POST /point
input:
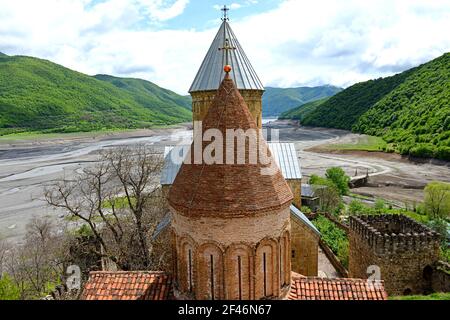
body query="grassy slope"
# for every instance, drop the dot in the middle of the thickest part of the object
(301, 112)
(415, 117)
(433, 296)
(343, 110)
(411, 110)
(38, 95)
(278, 100)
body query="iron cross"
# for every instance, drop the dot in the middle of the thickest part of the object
(225, 10)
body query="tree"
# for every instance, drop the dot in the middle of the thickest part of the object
(437, 200)
(119, 200)
(36, 266)
(329, 199)
(339, 178)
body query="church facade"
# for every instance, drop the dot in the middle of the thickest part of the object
(232, 225)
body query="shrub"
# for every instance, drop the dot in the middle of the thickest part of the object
(357, 207)
(423, 151)
(334, 237)
(8, 289)
(339, 179)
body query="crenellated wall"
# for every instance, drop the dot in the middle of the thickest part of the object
(239, 258)
(398, 245)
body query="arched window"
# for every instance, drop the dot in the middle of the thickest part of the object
(285, 272)
(210, 268)
(266, 271)
(238, 266)
(186, 266)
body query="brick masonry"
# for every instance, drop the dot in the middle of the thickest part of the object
(401, 247)
(202, 101)
(238, 258)
(296, 188)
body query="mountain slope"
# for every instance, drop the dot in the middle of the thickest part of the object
(343, 110)
(415, 117)
(304, 110)
(37, 94)
(147, 90)
(410, 110)
(278, 100)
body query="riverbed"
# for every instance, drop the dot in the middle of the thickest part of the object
(27, 167)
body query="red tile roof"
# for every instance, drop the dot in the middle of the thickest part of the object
(122, 285)
(229, 189)
(310, 288)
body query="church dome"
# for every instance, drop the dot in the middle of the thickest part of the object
(229, 189)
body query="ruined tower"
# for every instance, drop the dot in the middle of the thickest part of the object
(231, 222)
(402, 249)
(226, 50)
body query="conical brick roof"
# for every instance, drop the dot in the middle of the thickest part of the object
(229, 189)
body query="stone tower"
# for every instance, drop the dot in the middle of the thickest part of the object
(231, 222)
(402, 249)
(226, 50)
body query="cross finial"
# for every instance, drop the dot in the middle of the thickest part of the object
(227, 48)
(225, 10)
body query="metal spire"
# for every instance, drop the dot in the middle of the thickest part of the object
(225, 10)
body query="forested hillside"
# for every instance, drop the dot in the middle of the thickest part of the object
(301, 112)
(38, 95)
(415, 117)
(410, 111)
(344, 109)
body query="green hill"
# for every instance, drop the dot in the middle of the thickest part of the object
(38, 95)
(415, 117)
(278, 100)
(410, 110)
(301, 112)
(343, 110)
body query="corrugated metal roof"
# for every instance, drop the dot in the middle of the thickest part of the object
(163, 224)
(211, 73)
(171, 164)
(286, 157)
(284, 154)
(310, 191)
(296, 212)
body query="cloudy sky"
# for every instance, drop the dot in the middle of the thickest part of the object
(290, 43)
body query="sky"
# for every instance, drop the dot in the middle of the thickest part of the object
(289, 42)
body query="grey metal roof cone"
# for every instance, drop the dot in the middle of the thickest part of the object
(211, 72)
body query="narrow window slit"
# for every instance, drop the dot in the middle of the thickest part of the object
(212, 277)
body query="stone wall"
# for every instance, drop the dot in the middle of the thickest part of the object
(234, 258)
(305, 249)
(296, 188)
(401, 257)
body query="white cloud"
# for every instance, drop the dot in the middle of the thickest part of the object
(163, 10)
(298, 43)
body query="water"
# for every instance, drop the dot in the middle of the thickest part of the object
(267, 120)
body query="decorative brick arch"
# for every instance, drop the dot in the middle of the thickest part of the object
(186, 253)
(285, 258)
(267, 277)
(239, 262)
(210, 267)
